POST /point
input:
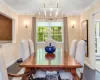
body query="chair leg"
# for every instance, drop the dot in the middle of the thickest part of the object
(76, 77)
(81, 76)
(31, 77)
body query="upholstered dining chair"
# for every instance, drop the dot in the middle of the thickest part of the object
(80, 55)
(31, 47)
(3, 71)
(25, 53)
(40, 74)
(65, 75)
(24, 49)
(73, 48)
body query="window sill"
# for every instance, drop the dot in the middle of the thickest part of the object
(97, 54)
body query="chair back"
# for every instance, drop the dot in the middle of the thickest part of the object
(24, 49)
(31, 47)
(80, 54)
(3, 70)
(73, 48)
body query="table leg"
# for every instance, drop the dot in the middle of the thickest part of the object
(73, 71)
(26, 71)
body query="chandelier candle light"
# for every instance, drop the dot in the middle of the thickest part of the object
(52, 13)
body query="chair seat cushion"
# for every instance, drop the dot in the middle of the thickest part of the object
(65, 75)
(51, 72)
(40, 74)
(52, 77)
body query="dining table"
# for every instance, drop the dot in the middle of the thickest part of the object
(59, 60)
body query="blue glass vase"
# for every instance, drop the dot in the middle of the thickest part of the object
(50, 49)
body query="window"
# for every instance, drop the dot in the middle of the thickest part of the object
(56, 33)
(97, 37)
(42, 33)
(55, 28)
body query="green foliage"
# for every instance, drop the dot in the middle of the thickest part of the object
(43, 33)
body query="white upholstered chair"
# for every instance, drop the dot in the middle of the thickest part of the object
(3, 71)
(80, 55)
(73, 48)
(31, 47)
(25, 53)
(40, 74)
(65, 75)
(24, 49)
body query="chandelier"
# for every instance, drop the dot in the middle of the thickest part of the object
(51, 13)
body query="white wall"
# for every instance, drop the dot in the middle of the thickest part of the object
(10, 49)
(87, 15)
(97, 16)
(73, 33)
(24, 33)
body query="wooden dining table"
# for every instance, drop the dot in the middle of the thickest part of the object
(59, 60)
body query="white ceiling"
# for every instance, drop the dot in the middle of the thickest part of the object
(32, 6)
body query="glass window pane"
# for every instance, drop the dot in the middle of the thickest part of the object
(42, 33)
(96, 45)
(95, 29)
(45, 37)
(99, 29)
(40, 36)
(57, 37)
(56, 33)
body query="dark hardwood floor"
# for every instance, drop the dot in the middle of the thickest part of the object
(14, 69)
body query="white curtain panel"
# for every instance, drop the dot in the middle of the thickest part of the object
(66, 45)
(33, 33)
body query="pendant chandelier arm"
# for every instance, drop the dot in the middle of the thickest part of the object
(56, 13)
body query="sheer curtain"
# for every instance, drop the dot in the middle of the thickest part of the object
(66, 45)
(33, 33)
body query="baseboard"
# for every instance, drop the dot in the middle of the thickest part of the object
(89, 65)
(12, 62)
(98, 70)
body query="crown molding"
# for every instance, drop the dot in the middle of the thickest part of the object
(89, 6)
(2, 2)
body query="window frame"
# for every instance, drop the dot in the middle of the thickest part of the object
(62, 30)
(96, 37)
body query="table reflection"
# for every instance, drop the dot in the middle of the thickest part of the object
(42, 58)
(50, 56)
